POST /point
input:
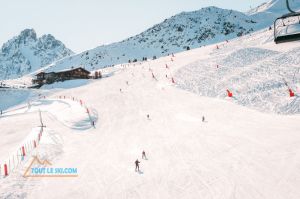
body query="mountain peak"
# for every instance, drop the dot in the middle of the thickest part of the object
(28, 33)
(26, 52)
(186, 30)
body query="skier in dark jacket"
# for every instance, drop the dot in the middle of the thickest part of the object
(137, 166)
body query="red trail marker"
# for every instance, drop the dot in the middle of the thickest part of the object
(23, 151)
(292, 94)
(229, 94)
(5, 170)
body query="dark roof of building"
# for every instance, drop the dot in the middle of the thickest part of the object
(69, 70)
(39, 73)
(64, 71)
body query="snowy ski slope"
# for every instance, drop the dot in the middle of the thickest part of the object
(238, 152)
(258, 72)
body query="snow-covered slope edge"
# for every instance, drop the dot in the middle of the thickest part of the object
(257, 72)
(269, 11)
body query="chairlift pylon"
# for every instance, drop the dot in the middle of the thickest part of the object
(287, 27)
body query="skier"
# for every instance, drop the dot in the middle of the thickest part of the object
(203, 119)
(173, 81)
(137, 166)
(153, 76)
(144, 155)
(148, 116)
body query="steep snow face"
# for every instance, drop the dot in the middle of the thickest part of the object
(273, 9)
(26, 53)
(187, 29)
(257, 72)
(275, 6)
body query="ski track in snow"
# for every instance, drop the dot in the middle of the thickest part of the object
(256, 75)
(56, 113)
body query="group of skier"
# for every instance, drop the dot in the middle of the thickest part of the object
(137, 162)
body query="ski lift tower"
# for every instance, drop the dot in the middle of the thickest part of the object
(41, 120)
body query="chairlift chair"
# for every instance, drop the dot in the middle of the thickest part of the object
(287, 27)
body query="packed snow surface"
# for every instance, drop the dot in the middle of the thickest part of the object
(13, 97)
(237, 152)
(256, 71)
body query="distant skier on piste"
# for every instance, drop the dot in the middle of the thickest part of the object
(137, 165)
(148, 116)
(203, 119)
(144, 155)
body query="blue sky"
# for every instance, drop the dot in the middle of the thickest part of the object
(85, 24)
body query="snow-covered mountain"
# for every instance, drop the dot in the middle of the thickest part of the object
(187, 29)
(26, 53)
(178, 33)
